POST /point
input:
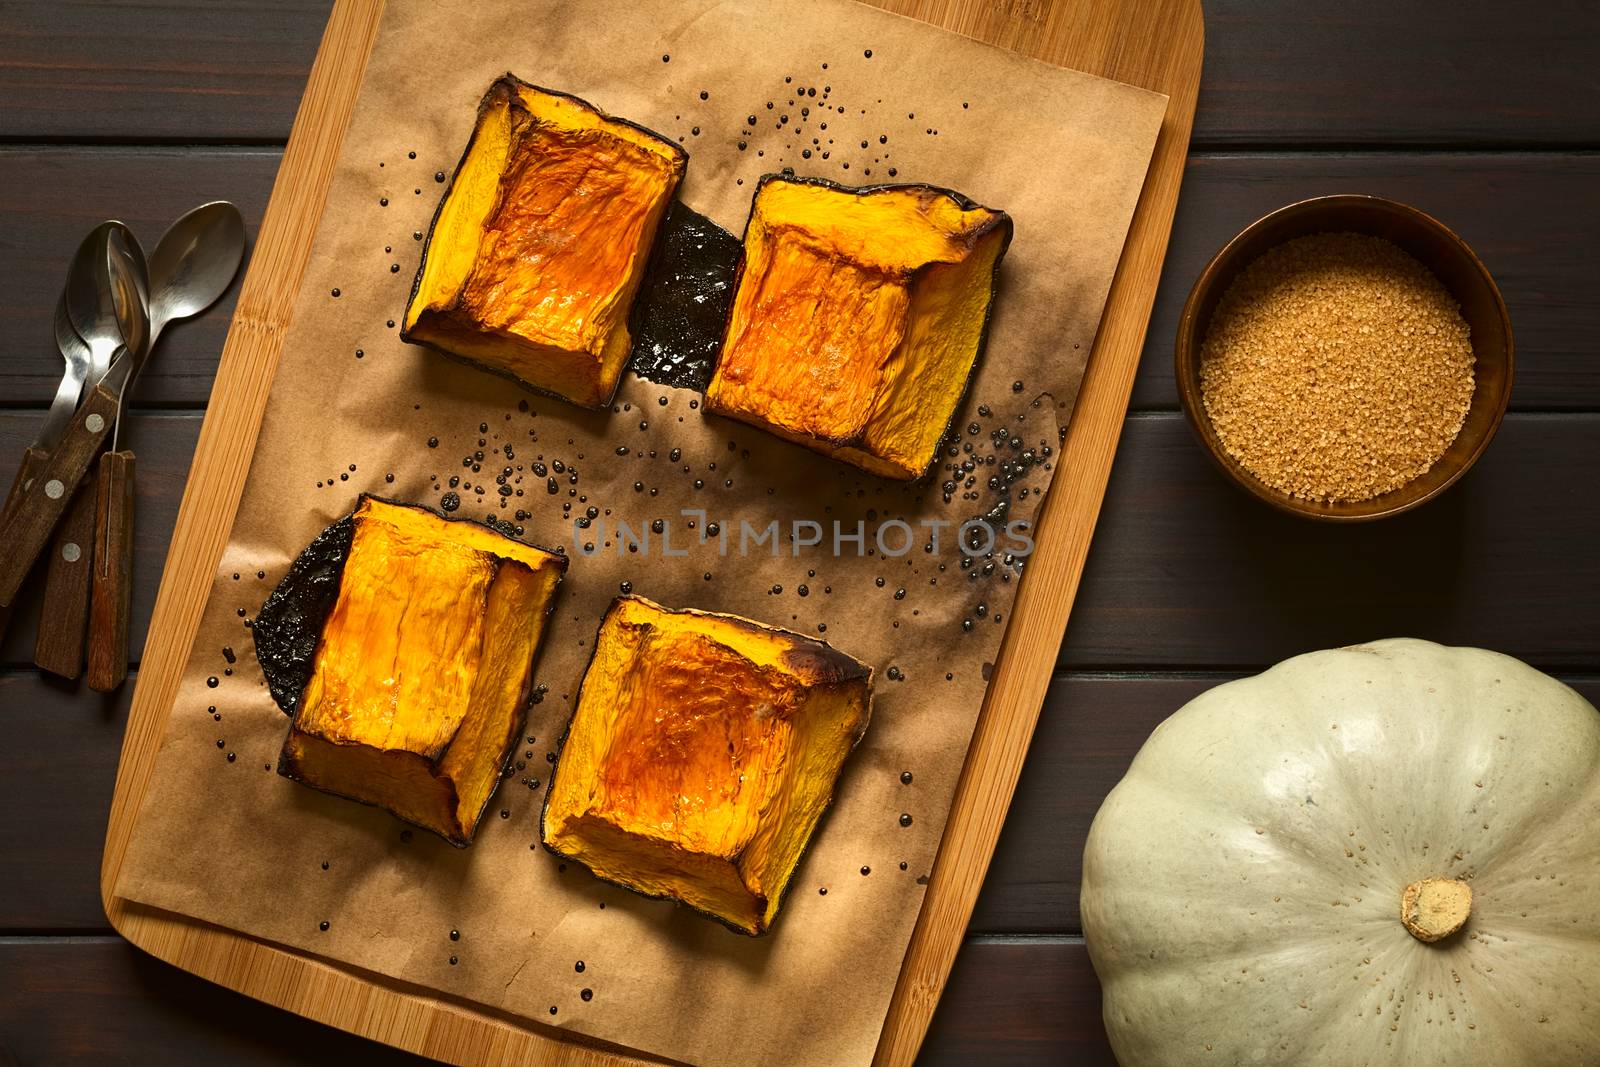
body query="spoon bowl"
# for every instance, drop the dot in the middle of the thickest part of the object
(194, 262)
(73, 349)
(91, 305)
(130, 294)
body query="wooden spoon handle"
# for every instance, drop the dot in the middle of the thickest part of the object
(26, 531)
(110, 578)
(59, 647)
(33, 461)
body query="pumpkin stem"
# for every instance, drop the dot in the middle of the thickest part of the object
(1435, 908)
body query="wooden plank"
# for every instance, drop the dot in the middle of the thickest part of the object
(51, 197)
(73, 1001)
(183, 70)
(164, 445)
(1504, 203)
(1088, 733)
(1374, 71)
(1155, 45)
(82, 1001)
(1367, 71)
(1022, 1003)
(56, 774)
(1188, 571)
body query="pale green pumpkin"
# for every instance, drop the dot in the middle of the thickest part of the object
(1243, 884)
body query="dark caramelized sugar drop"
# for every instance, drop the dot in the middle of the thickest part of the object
(683, 303)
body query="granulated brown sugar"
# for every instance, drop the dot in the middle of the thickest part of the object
(1336, 367)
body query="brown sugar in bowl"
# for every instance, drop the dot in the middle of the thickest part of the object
(1433, 245)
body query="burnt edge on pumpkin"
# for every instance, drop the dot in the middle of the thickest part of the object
(681, 312)
(832, 656)
(965, 203)
(287, 770)
(505, 86)
(345, 528)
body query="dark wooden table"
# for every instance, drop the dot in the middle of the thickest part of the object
(1483, 115)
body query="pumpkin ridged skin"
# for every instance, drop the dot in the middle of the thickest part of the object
(1242, 885)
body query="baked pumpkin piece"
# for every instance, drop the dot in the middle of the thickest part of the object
(540, 243)
(419, 684)
(702, 753)
(858, 317)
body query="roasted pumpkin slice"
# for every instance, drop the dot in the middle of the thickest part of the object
(542, 238)
(419, 685)
(703, 751)
(858, 317)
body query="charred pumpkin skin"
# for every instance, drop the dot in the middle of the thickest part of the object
(420, 681)
(540, 243)
(701, 757)
(859, 317)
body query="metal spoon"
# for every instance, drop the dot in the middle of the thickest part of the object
(115, 285)
(77, 356)
(194, 262)
(80, 368)
(130, 301)
(84, 366)
(191, 267)
(56, 421)
(90, 302)
(110, 583)
(59, 649)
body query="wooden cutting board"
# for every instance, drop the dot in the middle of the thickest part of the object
(1155, 44)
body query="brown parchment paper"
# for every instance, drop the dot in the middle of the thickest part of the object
(223, 838)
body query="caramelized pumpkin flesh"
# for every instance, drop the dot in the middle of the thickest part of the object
(420, 681)
(542, 240)
(702, 754)
(858, 318)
